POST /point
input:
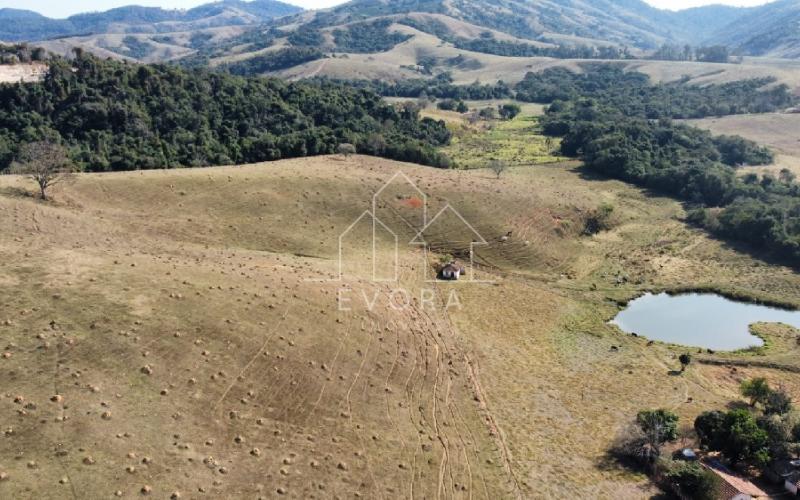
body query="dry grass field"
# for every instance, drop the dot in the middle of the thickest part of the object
(400, 61)
(778, 131)
(13, 73)
(394, 64)
(187, 332)
(164, 46)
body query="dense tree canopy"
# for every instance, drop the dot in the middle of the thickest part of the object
(627, 92)
(659, 425)
(368, 37)
(745, 436)
(488, 44)
(118, 116)
(21, 53)
(275, 60)
(440, 87)
(715, 53)
(621, 126)
(306, 37)
(632, 94)
(252, 40)
(687, 163)
(736, 434)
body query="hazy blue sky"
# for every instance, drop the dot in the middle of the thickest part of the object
(64, 8)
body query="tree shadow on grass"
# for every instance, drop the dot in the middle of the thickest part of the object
(17, 192)
(738, 405)
(744, 248)
(615, 460)
(587, 174)
(620, 455)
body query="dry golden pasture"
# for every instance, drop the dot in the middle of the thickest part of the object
(14, 73)
(398, 63)
(166, 46)
(187, 332)
(778, 131)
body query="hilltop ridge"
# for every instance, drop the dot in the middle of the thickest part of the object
(25, 25)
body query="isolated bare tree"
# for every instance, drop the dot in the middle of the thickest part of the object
(45, 162)
(498, 167)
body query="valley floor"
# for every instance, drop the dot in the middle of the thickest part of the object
(185, 331)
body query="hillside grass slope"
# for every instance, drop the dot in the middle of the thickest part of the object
(177, 331)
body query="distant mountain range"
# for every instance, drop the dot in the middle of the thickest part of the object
(24, 25)
(628, 22)
(773, 29)
(229, 27)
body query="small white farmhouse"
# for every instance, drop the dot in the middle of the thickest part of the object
(451, 271)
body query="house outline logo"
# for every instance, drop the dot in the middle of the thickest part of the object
(411, 183)
(375, 223)
(417, 240)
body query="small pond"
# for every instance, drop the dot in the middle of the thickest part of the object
(700, 319)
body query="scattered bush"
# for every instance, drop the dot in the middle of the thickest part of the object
(21, 53)
(498, 167)
(599, 219)
(509, 111)
(685, 359)
(757, 389)
(487, 113)
(346, 149)
(452, 105)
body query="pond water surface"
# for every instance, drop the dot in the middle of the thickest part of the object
(700, 319)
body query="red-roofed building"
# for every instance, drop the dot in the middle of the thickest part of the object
(734, 487)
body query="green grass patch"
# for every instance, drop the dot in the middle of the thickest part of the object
(518, 142)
